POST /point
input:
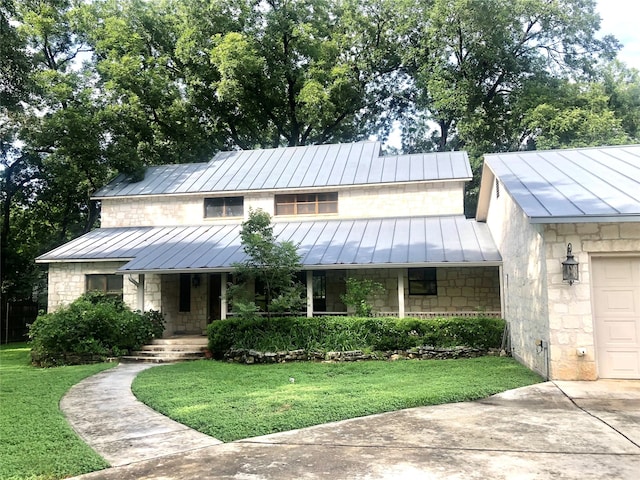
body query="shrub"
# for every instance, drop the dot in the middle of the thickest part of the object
(326, 334)
(93, 327)
(359, 291)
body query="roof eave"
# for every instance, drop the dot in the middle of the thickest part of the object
(81, 260)
(341, 266)
(587, 219)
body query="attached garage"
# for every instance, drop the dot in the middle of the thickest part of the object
(542, 207)
(616, 308)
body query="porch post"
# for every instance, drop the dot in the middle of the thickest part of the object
(502, 291)
(223, 295)
(141, 292)
(309, 293)
(401, 293)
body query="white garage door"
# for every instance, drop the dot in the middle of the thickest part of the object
(616, 299)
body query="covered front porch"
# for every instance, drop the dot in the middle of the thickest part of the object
(192, 300)
(428, 266)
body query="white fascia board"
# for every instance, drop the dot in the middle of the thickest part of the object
(587, 219)
(82, 260)
(325, 267)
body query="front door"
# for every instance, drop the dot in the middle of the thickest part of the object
(215, 290)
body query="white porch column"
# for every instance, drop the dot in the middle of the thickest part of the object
(309, 293)
(401, 293)
(223, 295)
(141, 292)
(503, 291)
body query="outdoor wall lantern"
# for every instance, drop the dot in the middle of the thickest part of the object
(195, 280)
(570, 267)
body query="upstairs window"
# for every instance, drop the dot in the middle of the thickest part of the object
(422, 281)
(307, 203)
(109, 284)
(223, 207)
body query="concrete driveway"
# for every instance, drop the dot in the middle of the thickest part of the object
(561, 430)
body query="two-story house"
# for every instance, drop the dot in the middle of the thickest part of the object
(169, 242)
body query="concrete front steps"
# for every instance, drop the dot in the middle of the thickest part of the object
(174, 349)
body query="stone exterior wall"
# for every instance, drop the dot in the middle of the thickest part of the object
(537, 304)
(460, 289)
(524, 273)
(571, 318)
(67, 281)
(192, 322)
(437, 198)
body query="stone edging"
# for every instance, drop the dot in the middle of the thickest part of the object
(250, 356)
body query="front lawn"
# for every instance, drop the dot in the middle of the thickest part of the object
(232, 401)
(36, 440)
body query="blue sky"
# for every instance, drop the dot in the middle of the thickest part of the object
(620, 18)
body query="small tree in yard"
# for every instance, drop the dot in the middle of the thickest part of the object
(270, 263)
(358, 294)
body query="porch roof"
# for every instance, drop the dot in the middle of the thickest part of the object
(356, 243)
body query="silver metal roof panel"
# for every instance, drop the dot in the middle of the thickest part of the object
(578, 185)
(313, 166)
(331, 243)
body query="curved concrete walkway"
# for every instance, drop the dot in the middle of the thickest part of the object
(568, 430)
(108, 417)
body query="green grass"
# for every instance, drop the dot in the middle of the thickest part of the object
(36, 442)
(232, 401)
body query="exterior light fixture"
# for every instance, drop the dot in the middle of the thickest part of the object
(195, 280)
(570, 267)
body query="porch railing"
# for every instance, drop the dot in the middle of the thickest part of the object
(494, 314)
(490, 314)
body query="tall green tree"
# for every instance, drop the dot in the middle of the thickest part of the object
(295, 72)
(470, 58)
(270, 264)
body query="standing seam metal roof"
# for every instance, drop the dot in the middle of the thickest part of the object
(588, 184)
(328, 243)
(293, 167)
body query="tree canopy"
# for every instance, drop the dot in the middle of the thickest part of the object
(93, 88)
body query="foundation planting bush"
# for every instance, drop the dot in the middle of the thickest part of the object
(92, 328)
(325, 334)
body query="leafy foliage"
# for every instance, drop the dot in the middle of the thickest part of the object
(94, 325)
(269, 263)
(325, 334)
(359, 293)
(91, 89)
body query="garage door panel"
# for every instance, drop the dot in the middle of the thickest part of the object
(623, 363)
(618, 271)
(621, 332)
(616, 301)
